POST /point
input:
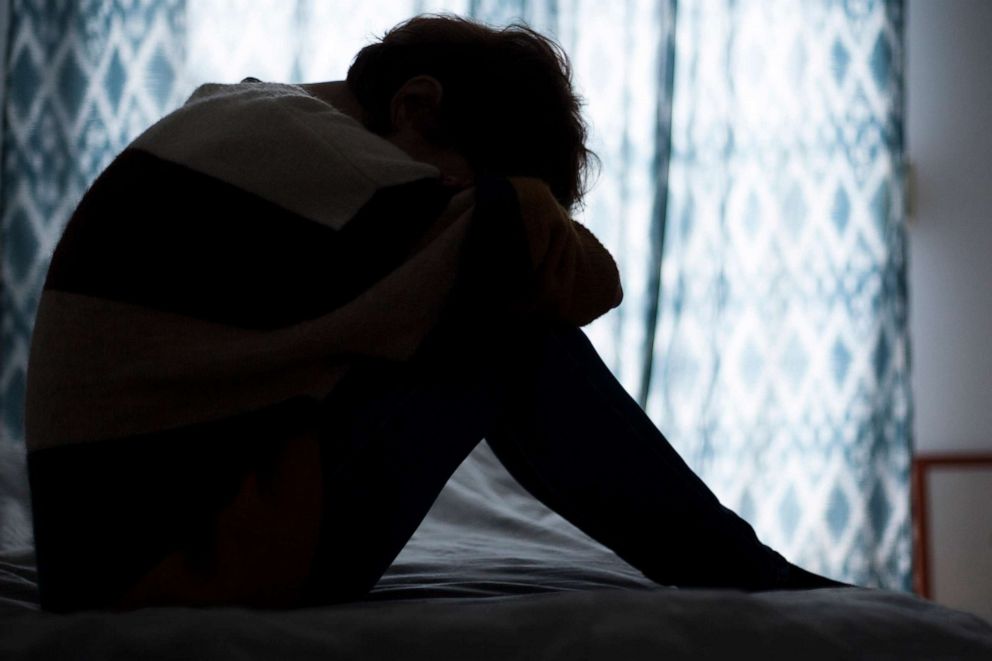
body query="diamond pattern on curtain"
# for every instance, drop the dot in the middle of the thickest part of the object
(782, 369)
(288, 40)
(82, 79)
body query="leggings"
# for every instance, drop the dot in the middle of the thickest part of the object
(563, 427)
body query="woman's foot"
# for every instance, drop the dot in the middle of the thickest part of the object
(798, 578)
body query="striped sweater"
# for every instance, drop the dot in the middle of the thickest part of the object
(249, 247)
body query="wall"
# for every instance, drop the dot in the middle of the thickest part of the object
(949, 140)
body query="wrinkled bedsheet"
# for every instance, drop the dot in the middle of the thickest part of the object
(492, 574)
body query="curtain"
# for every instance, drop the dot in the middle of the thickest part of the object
(712, 252)
(781, 357)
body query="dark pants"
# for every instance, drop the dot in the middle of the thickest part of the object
(564, 428)
(391, 436)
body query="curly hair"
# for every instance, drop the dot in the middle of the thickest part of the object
(508, 105)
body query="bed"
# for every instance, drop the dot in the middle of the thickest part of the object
(492, 574)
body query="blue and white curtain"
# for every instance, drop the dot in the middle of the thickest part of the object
(780, 366)
(749, 188)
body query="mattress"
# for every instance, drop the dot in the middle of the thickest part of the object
(493, 574)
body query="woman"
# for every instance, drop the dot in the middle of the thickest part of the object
(284, 315)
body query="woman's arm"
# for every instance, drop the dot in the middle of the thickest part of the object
(577, 279)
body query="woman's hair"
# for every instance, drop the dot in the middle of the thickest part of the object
(507, 104)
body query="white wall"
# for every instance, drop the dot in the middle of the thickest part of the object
(949, 139)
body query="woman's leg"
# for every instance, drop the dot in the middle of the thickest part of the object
(572, 436)
(565, 429)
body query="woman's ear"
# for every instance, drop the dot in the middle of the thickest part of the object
(416, 104)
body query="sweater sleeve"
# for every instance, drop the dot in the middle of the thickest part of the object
(576, 277)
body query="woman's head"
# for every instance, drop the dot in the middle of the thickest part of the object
(502, 98)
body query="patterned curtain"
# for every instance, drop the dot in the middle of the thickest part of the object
(781, 369)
